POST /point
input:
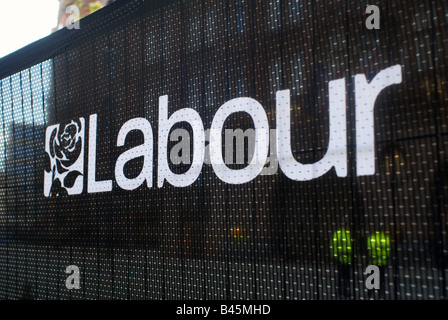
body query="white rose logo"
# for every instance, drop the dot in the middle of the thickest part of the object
(64, 159)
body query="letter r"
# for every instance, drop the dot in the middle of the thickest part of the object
(366, 94)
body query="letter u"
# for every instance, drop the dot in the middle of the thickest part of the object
(336, 155)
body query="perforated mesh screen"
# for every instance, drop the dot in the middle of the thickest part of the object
(272, 237)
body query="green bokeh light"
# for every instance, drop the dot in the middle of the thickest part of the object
(378, 246)
(342, 246)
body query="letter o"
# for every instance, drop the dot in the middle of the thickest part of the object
(258, 115)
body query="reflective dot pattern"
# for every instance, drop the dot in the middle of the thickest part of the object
(272, 237)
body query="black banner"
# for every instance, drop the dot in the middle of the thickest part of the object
(228, 150)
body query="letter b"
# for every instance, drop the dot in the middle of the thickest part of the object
(165, 124)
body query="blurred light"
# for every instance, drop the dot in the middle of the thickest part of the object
(342, 246)
(378, 246)
(237, 233)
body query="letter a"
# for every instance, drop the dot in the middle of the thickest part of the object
(373, 280)
(72, 281)
(373, 21)
(72, 21)
(145, 150)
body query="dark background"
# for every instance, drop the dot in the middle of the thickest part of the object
(178, 243)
